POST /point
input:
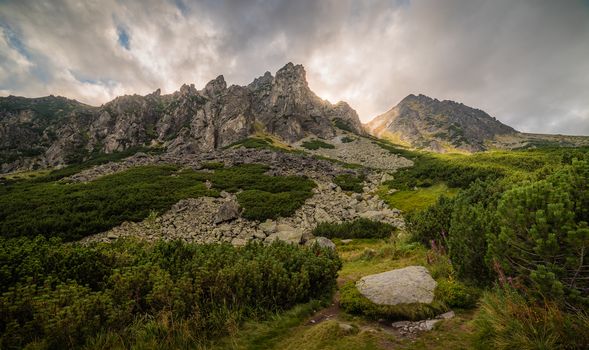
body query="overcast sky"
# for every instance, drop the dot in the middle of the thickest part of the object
(524, 62)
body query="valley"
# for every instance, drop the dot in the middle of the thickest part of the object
(262, 217)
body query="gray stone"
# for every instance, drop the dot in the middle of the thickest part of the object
(401, 324)
(239, 242)
(412, 284)
(323, 242)
(268, 226)
(227, 212)
(286, 233)
(447, 315)
(322, 216)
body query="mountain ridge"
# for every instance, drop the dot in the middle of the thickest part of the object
(423, 122)
(187, 120)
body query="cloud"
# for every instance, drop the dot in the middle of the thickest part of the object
(523, 62)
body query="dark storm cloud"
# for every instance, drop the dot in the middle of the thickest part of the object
(524, 62)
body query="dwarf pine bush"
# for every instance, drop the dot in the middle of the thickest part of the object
(62, 296)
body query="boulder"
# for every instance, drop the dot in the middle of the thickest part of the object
(286, 233)
(227, 212)
(323, 242)
(268, 226)
(322, 216)
(412, 284)
(378, 215)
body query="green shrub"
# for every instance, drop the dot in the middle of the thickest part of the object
(473, 217)
(55, 295)
(254, 142)
(359, 228)
(454, 293)
(432, 223)
(543, 236)
(316, 144)
(349, 182)
(347, 139)
(507, 321)
(342, 124)
(72, 211)
(262, 205)
(213, 165)
(353, 302)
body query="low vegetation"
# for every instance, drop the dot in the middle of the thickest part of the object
(316, 144)
(342, 124)
(73, 210)
(360, 228)
(255, 142)
(93, 160)
(525, 231)
(349, 182)
(507, 320)
(149, 295)
(415, 199)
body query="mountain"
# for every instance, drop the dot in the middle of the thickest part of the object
(423, 122)
(52, 131)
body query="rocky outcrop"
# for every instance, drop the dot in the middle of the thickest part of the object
(287, 107)
(423, 122)
(412, 284)
(196, 220)
(31, 126)
(359, 150)
(58, 131)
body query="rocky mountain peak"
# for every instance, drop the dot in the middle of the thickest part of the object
(263, 82)
(186, 121)
(292, 72)
(424, 122)
(187, 90)
(215, 86)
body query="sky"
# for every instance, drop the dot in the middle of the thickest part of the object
(525, 62)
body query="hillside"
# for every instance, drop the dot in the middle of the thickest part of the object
(54, 131)
(423, 122)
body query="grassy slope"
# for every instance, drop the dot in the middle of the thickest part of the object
(293, 329)
(420, 198)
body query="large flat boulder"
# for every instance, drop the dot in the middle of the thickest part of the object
(286, 233)
(412, 284)
(323, 242)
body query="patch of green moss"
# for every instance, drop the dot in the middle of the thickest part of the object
(353, 302)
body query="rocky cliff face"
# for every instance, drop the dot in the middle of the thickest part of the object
(423, 122)
(53, 130)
